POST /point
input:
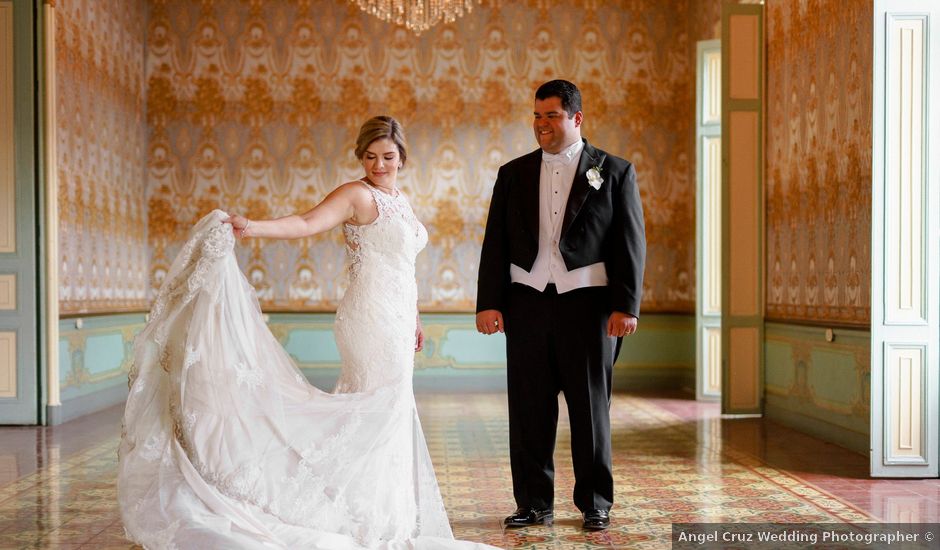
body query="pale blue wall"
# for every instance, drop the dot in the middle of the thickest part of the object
(94, 360)
(457, 358)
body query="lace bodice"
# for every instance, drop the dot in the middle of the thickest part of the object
(375, 321)
(391, 242)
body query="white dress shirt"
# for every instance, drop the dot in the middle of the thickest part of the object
(555, 179)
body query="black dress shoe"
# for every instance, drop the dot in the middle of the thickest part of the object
(523, 517)
(596, 520)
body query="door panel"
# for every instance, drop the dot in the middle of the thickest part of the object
(19, 395)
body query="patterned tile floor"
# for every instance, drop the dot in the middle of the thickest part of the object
(675, 461)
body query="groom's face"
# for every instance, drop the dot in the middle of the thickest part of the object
(554, 129)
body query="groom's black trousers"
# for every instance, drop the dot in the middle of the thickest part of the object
(558, 343)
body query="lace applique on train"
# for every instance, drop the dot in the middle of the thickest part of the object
(225, 444)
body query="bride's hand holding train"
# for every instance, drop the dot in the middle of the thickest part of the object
(381, 157)
(349, 203)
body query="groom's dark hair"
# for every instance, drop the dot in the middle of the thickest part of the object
(568, 93)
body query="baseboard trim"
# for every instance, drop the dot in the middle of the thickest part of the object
(86, 404)
(671, 378)
(854, 441)
(624, 379)
(53, 415)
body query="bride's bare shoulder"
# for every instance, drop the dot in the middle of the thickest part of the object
(353, 190)
(356, 186)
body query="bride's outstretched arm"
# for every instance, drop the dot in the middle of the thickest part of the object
(343, 204)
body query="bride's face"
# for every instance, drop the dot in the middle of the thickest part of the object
(382, 161)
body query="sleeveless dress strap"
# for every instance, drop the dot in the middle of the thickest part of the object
(382, 200)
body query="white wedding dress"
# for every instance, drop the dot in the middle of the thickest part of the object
(226, 445)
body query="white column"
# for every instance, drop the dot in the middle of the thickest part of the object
(52, 212)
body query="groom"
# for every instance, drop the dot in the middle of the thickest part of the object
(561, 273)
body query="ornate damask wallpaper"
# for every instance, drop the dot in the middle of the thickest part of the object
(819, 136)
(100, 138)
(252, 106)
(704, 21)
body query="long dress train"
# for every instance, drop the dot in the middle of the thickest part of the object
(226, 445)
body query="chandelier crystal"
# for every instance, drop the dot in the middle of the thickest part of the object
(417, 15)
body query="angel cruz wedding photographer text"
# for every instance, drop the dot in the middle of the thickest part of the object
(701, 536)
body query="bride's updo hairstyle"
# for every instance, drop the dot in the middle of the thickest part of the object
(377, 128)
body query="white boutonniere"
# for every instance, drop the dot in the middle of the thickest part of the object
(594, 178)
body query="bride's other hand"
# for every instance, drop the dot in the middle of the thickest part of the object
(239, 225)
(419, 336)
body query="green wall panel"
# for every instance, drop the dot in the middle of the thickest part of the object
(95, 355)
(456, 357)
(819, 386)
(779, 371)
(312, 347)
(104, 353)
(833, 377)
(467, 346)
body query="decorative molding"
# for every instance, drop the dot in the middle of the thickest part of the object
(796, 352)
(905, 173)
(8, 364)
(7, 164)
(711, 173)
(712, 356)
(711, 100)
(744, 202)
(744, 59)
(105, 342)
(906, 400)
(8, 292)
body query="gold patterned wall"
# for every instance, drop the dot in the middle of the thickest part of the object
(819, 135)
(705, 20)
(100, 135)
(253, 106)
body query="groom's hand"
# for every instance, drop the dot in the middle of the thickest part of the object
(619, 324)
(490, 321)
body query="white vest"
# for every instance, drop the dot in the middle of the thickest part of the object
(555, 179)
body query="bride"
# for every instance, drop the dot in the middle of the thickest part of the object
(226, 445)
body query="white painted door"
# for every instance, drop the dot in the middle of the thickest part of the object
(708, 221)
(19, 393)
(905, 386)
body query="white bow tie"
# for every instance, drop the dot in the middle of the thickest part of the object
(563, 158)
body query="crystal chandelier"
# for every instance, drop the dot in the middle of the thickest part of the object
(417, 15)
